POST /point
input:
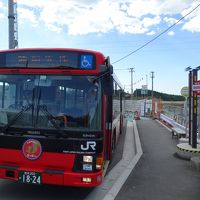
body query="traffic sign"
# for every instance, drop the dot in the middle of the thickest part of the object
(197, 92)
(144, 90)
(185, 91)
(196, 87)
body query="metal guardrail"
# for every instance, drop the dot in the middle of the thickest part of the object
(172, 122)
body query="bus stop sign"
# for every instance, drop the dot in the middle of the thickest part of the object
(196, 87)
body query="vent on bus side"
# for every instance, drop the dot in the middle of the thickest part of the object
(10, 173)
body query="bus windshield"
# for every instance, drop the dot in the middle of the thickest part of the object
(50, 102)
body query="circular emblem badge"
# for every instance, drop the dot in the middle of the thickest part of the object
(32, 149)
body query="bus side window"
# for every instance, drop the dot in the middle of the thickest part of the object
(116, 100)
(7, 94)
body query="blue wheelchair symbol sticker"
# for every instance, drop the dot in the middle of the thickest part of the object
(86, 61)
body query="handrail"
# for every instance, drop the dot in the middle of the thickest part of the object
(172, 122)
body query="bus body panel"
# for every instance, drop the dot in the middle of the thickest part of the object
(57, 164)
(47, 160)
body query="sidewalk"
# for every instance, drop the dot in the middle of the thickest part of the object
(159, 175)
(116, 177)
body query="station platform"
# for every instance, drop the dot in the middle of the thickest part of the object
(159, 175)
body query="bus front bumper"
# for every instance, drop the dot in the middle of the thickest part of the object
(55, 177)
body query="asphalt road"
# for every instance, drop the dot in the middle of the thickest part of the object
(15, 191)
(159, 175)
(10, 190)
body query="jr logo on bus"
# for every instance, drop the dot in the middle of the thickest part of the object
(32, 149)
(89, 144)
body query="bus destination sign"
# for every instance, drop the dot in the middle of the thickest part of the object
(47, 59)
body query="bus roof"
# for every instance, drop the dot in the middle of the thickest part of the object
(64, 58)
(54, 49)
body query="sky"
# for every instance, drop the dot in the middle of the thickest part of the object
(116, 28)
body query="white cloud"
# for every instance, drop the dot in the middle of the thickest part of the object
(131, 25)
(1, 16)
(101, 16)
(32, 4)
(90, 20)
(2, 7)
(147, 21)
(2, 11)
(151, 33)
(193, 24)
(170, 20)
(27, 15)
(171, 7)
(170, 33)
(140, 8)
(54, 28)
(189, 8)
(193, 20)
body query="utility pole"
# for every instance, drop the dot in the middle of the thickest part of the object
(147, 80)
(152, 77)
(13, 26)
(132, 70)
(147, 84)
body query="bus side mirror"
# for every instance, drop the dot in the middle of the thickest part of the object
(111, 69)
(108, 78)
(108, 85)
(108, 64)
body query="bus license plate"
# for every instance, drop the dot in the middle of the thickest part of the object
(29, 177)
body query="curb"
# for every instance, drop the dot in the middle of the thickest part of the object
(119, 174)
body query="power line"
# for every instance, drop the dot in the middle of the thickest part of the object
(121, 69)
(166, 30)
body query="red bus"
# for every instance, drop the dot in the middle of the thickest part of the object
(60, 116)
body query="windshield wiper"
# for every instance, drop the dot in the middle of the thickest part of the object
(37, 107)
(17, 116)
(42, 108)
(50, 117)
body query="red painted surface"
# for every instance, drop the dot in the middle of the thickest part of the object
(57, 168)
(14, 160)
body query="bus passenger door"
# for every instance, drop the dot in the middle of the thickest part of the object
(108, 131)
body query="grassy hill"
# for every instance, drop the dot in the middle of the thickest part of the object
(163, 96)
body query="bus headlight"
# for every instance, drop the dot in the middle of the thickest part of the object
(86, 180)
(88, 159)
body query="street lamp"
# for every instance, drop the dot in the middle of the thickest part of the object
(188, 69)
(152, 77)
(198, 68)
(132, 70)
